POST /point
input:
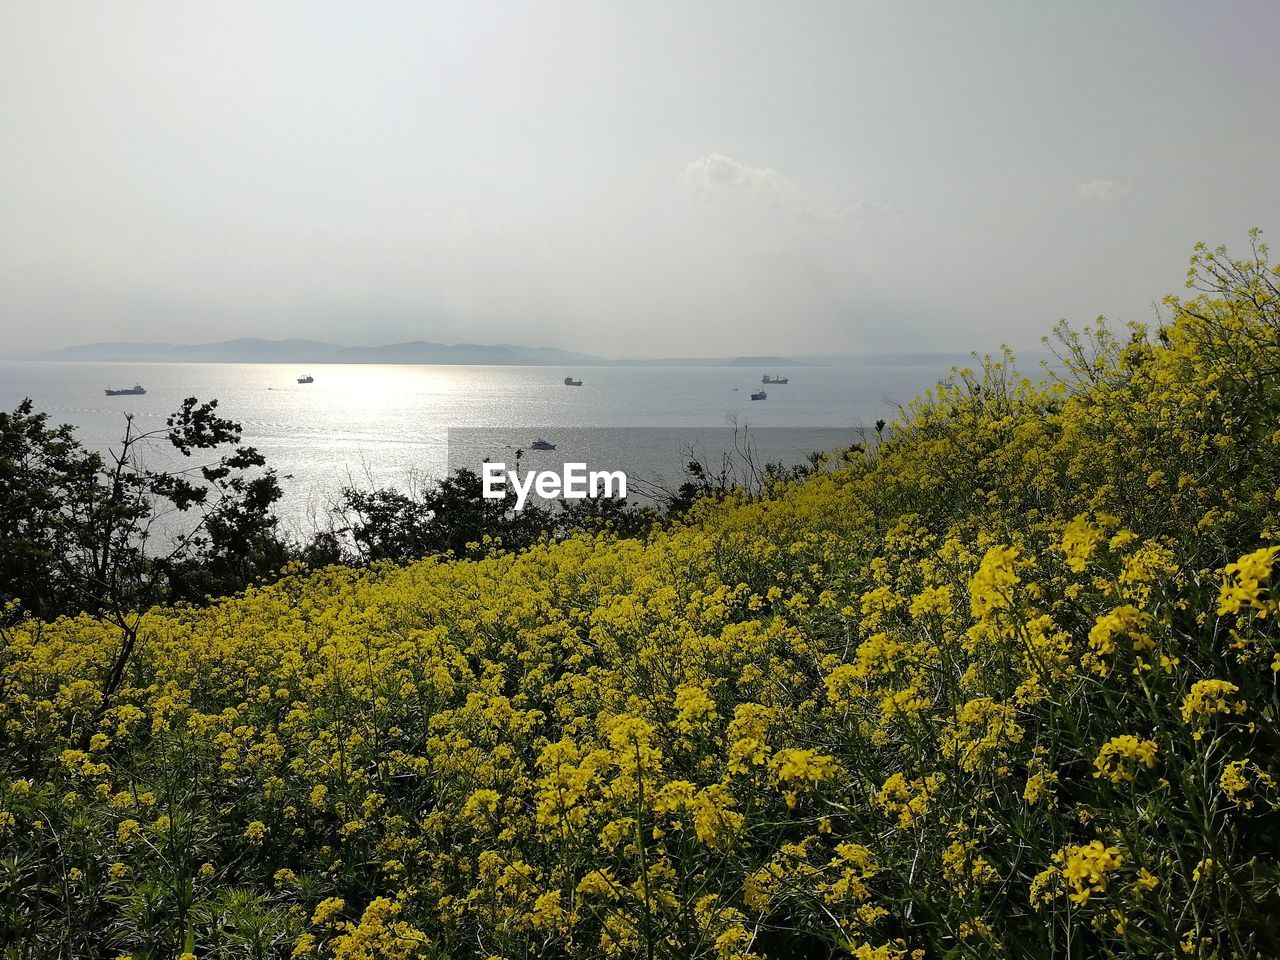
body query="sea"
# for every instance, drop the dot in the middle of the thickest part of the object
(397, 425)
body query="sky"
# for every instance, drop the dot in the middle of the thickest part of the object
(715, 178)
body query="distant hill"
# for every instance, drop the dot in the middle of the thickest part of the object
(295, 350)
(243, 350)
(255, 350)
(421, 351)
(936, 359)
(765, 362)
(1026, 359)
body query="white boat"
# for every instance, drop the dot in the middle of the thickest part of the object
(306, 378)
(773, 378)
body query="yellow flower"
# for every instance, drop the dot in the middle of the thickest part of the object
(1210, 698)
(1121, 539)
(1126, 620)
(991, 588)
(906, 801)
(865, 951)
(379, 933)
(1080, 539)
(326, 910)
(1039, 786)
(932, 600)
(694, 708)
(1146, 882)
(1240, 776)
(1243, 587)
(715, 819)
(1110, 763)
(795, 764)
(547, 912)
(481, 807)
(599, 883)
(981, 732)
(965, 869)
(1086, 868)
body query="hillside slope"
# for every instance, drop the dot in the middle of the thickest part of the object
(1003, 686)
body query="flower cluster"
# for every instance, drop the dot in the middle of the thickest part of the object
(1121, 756)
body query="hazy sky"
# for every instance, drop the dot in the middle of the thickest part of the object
(622, 177)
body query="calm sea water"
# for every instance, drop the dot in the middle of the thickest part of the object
(385, 423)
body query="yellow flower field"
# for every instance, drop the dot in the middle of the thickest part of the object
(1001, 686)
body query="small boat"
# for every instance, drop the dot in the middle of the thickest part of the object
(570, 382)
(541, 444)
(306, 378)
(136, 390)
(759, 395)
(773, 378)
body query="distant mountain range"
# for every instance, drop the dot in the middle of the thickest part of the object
(256, 350)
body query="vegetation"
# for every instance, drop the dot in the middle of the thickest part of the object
(114, 534)
(1004, 685)
(83, 531)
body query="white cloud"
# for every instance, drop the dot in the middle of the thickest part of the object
(716, 176)
(719, 178)
(863, 211)
(1103, 190)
